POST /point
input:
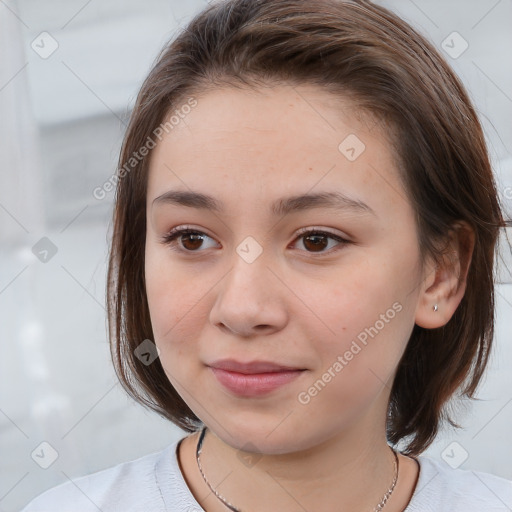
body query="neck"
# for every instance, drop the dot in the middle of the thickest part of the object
(351, 470)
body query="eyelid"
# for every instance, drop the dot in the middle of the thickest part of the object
(319, 229)
(341, 240)
(177, 231)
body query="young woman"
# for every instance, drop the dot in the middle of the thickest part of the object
(301, 270)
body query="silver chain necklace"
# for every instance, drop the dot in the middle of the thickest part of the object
(377, 508)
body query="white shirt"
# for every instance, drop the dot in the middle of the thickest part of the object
(154, 483)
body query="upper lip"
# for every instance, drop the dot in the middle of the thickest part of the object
(251, 367)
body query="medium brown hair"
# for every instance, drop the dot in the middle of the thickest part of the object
(366, 53)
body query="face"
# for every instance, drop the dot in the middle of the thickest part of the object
(304, 255)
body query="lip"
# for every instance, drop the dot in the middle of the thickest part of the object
(250, 367)
(254, 378)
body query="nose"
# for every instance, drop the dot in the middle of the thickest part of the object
(250, 300)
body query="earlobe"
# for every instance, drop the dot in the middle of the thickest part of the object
(445, 284)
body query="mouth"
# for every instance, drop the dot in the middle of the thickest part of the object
(252, 367)
(253, 378)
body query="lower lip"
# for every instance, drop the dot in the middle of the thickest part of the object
(255, 384)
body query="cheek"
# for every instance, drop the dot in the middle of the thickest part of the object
(350, 301)
(166, 293)
(364, 319)
(359, 365)
(178, 301)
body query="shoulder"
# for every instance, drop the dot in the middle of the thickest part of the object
(129, 487)
(441, 488)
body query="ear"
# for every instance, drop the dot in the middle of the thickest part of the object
(445, 284)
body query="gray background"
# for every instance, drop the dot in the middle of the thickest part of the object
(61, 122)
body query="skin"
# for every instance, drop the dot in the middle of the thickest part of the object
(292, 305)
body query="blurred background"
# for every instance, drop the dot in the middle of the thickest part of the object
(69, 74)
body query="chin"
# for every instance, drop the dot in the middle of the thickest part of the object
(263, 437)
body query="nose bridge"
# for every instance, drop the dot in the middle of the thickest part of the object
(247, 296)
(249, 274)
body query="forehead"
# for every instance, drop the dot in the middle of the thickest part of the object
(243, 143)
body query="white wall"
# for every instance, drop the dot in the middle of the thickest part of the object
(61, 123)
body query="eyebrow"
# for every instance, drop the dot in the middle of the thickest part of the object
(281, 207)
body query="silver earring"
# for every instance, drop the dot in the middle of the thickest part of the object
(435, 307)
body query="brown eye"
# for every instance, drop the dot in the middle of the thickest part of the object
(191, 241)
(316, 243)
(186, 240)
(320, 241)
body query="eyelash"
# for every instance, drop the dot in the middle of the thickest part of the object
(170, 239)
